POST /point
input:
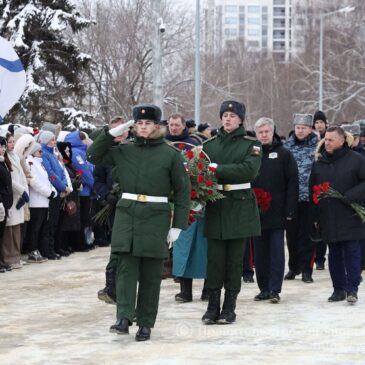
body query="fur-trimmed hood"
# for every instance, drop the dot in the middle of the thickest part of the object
(320, 147)
(24, 145)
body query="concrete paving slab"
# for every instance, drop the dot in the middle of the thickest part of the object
(50, 315)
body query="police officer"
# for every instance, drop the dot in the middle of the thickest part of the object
(236, 158)
(148, 171)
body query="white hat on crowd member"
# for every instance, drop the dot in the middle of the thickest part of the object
(45, 136)
(36, 147)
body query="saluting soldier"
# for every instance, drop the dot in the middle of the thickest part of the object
(230, 221)
(149, 172)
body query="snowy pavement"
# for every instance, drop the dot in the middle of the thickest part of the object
(49, 314)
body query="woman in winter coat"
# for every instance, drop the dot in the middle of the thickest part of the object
(58, 179)
(79, 142)
(40, 191)
(69, 225)
(24, 143)
(6, 194)
(11, 244)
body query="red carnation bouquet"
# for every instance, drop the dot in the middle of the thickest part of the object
(263, 199)
(204, 184)
(324, 190)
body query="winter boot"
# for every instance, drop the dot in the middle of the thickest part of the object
(108, 294)
(186, 294)
(205, 295)
(214, 306)
(228, 315)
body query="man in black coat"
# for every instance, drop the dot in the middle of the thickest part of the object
(178, 131)
(341, 227)
(278, 176)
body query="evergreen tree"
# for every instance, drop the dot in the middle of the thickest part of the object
(42, 33)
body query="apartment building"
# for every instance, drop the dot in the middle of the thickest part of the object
(259, 25)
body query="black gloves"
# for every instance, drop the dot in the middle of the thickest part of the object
(22, 200)
(52, 195)
(111, 199)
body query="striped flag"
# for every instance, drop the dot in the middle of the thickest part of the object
(12, 77)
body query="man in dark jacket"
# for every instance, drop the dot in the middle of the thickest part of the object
(302, 144)
(178, 131)
(148, 171)
(278, 176)
(236, 158)
(341, 227)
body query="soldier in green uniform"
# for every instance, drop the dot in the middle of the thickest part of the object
(149, 173)
(230, 221)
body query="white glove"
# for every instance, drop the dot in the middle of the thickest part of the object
(2, 212)
(118, 131)
(174, 234)
(213, 166)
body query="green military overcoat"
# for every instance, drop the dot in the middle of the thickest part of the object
(238, 157)
(149, 167)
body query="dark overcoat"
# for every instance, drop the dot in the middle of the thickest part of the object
(149, 167)
(239, 158)
(345, 172)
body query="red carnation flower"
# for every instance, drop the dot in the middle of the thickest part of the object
(181, 146)
(193, 194)
(79, 173)
(209, 183)
(200, 166)
(317, 189)
(200, 178)
(212, 169)
(190, 154)
(315, 199)
(202, 155)
(326, 187)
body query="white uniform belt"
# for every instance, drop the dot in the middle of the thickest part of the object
(229, 187)
(145, 198)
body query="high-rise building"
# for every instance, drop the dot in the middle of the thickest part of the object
(260, 25)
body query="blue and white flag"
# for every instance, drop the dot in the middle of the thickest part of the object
(12, 77)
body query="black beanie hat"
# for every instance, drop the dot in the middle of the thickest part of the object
(190, 123)
(147, 111)
(319, 115)
(234, 107)
(202, 127)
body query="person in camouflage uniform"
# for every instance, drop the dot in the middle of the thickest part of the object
(302, 144)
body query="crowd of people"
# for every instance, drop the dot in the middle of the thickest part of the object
(51, 190)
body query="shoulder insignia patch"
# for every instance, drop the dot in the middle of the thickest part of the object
(256, 151)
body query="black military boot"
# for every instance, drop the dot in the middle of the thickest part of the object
(121, 327)
(108, 294)
(143, 333)
(186, 294)
(228, 315)
(214, 306)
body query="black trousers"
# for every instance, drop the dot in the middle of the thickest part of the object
(321, 248)
(248, 260)
(35, 228)
(300, 247)
(47, 244)
(270, 260)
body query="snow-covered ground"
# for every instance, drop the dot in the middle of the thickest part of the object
(49, 315)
